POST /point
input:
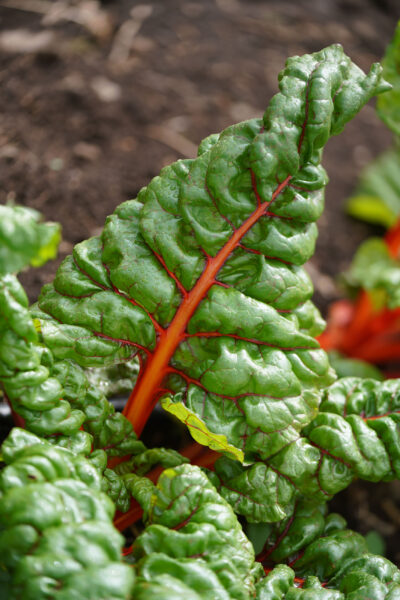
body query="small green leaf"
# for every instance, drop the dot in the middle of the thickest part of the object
(377, 197)
(374, 270)
(353, 367)
(375, 542)
(371, 209)
(388, 105)
(24, 239)
(199, 430)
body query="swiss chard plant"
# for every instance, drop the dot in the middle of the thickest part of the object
(368, 326)
(196, 291)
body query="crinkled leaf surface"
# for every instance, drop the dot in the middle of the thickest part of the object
(192, 540)
(56, 536)
(57, 400)
(323, 555)
(24, 368)
(355, 435)
(193, 547)
(117, 380)
(200, 277)
(368, 579)
(54, 397)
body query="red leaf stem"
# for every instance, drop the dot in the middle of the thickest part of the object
(18, 420)
(299, 581)
(360, 331)
(145, 394)
(392, 239)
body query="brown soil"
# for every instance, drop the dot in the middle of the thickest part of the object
(97, 97)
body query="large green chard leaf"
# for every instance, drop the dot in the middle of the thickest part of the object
(57, 400)
(200, 276)
(355, 435)
(24, 239)
(56, 536)
(193, 546)
(54, 397)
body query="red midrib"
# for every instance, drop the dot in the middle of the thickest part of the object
(144, 396)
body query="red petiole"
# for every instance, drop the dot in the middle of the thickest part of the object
(359, 330)
(147, 390)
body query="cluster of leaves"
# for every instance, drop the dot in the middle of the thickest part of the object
(368, 327)
(196, 287)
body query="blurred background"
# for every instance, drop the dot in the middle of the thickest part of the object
(97, 96)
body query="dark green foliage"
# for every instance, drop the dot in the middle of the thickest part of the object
(56, 534)
(354, 435)
(201, 274)
(199, 282)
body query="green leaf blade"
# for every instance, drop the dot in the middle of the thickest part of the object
(24, 239)
(220, 336)
(388, 104)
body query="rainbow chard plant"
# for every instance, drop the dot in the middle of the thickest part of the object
(196, 289)
(367, 327)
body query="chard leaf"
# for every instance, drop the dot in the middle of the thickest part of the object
(377, 197)
(389, 105)
(200, 276)
(193, 542)
(54, 397)
(24, 240)
(353, 367)
(324, 556)
(56, 536)
(24, 368)
(193, 545)
(357, 584)
(374, 269)
(355, 435)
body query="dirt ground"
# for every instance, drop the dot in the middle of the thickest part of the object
(97, 96)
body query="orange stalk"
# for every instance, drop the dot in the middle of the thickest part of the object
(146, 392)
